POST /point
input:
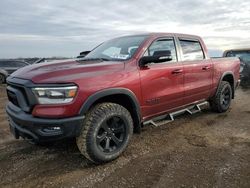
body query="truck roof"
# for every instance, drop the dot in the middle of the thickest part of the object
(152, 34)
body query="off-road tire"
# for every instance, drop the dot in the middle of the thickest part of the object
(2, 79)
(87, 141)
(216, 102)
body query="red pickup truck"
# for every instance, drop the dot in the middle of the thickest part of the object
(102, 98)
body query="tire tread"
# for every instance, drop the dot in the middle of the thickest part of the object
(215, 101)
(92, 118)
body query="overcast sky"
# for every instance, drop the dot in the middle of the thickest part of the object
(47, 28)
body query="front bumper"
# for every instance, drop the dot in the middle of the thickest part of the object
(40, 129)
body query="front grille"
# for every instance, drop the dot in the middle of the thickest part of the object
(12, 98)
(20, 94)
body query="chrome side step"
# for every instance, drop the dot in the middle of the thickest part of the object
(164, 119)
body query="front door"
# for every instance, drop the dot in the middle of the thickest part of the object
(162, 83)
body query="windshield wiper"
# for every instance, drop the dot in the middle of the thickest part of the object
(94, 59)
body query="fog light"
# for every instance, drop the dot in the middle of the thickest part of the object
(56, 128)
(52, 129)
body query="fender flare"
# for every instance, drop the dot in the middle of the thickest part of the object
(223, 76)
(112, 91)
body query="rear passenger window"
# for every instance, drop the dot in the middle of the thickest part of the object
(162, 45)
(191, 50)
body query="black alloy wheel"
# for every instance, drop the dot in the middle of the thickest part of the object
(226, 97)
(223, 97)
(106, 132)
(111, 134)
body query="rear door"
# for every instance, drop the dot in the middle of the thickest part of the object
(197, 70)
(162, 83)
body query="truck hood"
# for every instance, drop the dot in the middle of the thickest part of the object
(66, 71)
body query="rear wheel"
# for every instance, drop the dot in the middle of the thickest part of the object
(2, 79)
(222, 100)
(106, 132)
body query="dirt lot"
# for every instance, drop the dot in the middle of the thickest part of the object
(204, 150)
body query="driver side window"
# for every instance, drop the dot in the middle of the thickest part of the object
(162, 45)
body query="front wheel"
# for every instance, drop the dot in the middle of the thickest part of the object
(106, 132)
(222, 100)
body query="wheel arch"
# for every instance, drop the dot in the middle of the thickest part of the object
(121, 96)
(229, 77)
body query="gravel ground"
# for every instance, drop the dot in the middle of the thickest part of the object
(203, 150)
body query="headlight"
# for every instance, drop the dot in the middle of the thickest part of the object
(55, 95)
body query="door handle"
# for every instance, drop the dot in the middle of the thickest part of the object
(177, 71)
(205, 68)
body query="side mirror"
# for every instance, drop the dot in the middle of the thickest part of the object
(83, 54)
(158, 57)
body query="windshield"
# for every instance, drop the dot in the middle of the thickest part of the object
(244, 55)
(118, 49)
